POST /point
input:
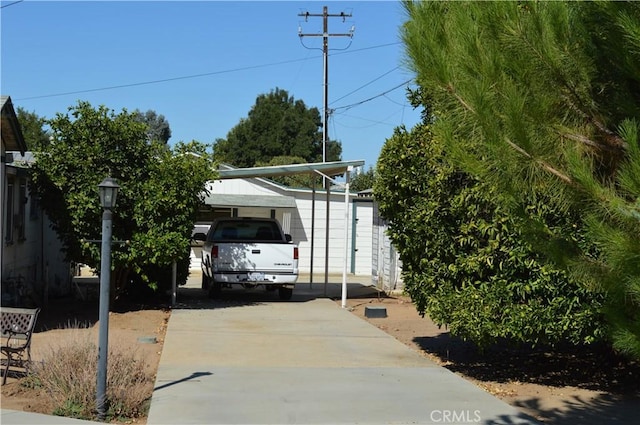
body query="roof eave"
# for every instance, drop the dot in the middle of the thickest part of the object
(329, 169)
(12, 136)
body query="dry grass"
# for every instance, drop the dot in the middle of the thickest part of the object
(68, 372)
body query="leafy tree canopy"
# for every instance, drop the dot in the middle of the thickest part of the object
(157, 126)
(32, 127)
(277, 126)
(362, 181)
(300, 180)
(160, 191)
(464, 260)
(541, 99)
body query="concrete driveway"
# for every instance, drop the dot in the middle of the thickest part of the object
(249, 358)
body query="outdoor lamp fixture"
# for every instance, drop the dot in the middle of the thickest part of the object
(108, 194)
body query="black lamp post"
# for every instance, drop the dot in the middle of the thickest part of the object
(108, 190)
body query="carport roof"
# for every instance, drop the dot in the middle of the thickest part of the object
(329, 169)
(264, 201)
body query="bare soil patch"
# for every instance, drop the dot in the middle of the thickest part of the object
(133, 327)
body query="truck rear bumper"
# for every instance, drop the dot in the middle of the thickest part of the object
(286, 280)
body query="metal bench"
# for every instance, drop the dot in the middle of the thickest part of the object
(17, 325)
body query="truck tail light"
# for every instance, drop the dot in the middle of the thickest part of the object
(295, 253)
(214, 251)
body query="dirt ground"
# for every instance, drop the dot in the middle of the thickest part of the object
(140, 329)
(589, 386)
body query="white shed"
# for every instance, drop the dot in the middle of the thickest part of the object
(386, 266)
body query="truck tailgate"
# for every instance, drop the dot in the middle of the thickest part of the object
(250, 257)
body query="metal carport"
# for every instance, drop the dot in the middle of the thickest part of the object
(328, 170)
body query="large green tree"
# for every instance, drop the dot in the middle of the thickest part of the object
(160, 191)
(277, 126)
(464, 261)
(158, 128)
(541, 99)
(32, 126)
(298, 180)
(363, 180)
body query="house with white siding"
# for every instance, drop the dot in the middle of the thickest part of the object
(33, 264)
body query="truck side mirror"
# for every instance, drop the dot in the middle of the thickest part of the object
(288, 237)
(199, 237)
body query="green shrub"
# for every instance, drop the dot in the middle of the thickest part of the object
(68, 374)
(465, 261)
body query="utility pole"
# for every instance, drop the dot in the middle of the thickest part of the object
(325, 54)
(325, 120)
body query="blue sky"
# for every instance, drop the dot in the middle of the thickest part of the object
(202, 64)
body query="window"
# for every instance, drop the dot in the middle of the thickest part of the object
(8, 230)
(207, 214)
(22, 210)
(247, 231)
(34, 208)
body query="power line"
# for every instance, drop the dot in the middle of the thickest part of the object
(206, 74)
(11, 4)
(368, 48)
(404, 104)
(365, 85)
(372, 122)
(186, 77)
(347, 107)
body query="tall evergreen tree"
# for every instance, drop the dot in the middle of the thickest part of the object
(363, 180)
(541, 99)
(158, 129)
(277, 126)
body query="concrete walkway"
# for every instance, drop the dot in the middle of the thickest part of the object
(249, 358)
(16, 417)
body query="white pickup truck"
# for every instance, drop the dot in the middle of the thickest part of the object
(248, 252)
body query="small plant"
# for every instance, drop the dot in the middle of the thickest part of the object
(31, 381)
(68, 373)
(70, 410)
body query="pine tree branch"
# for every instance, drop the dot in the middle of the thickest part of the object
(582, 139)
(614, 143)
(452, 90)
(545, 165)
(573, 99)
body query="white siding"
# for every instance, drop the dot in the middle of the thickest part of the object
(33, 255)
(302, 229)
(254, 212)
(363, 240)
(386, 265)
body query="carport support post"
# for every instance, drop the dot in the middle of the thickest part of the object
(346, 237)
(327, 184)
(313, 226)
(174, 282)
